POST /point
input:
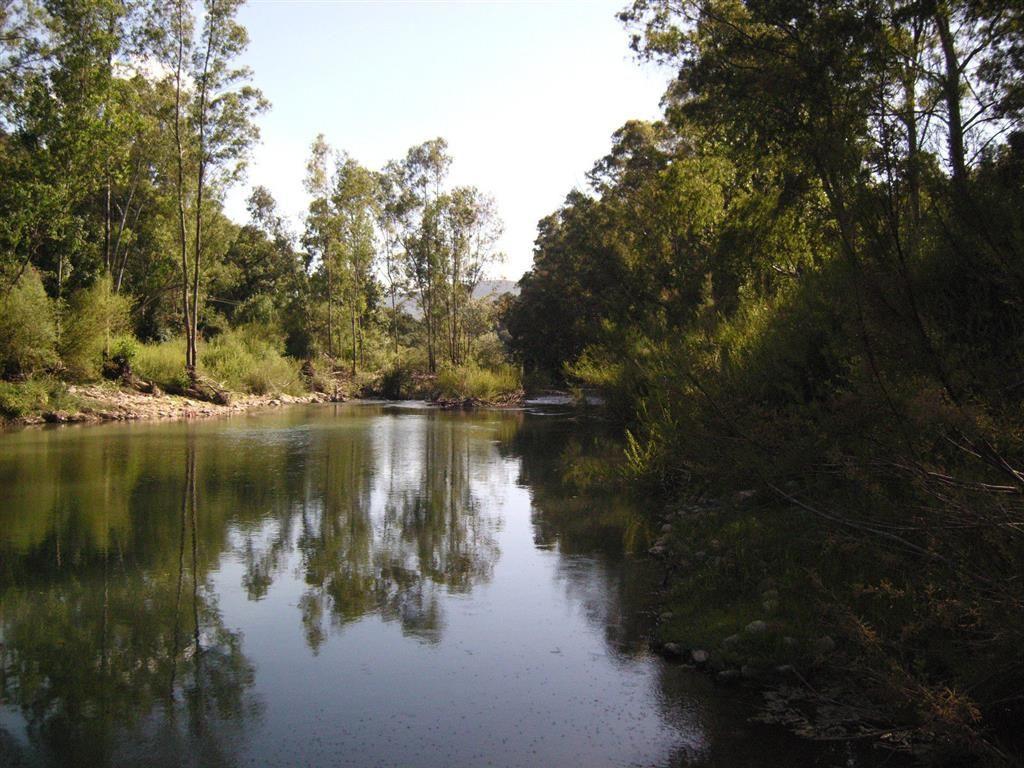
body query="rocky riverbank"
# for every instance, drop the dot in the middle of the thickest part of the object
(737, 605)
(106, 402)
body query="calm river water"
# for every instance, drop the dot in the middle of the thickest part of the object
(339, 585)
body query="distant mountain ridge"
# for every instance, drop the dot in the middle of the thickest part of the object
(485, 289)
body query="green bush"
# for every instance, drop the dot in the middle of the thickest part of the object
(95, 316)
(243, 360)
(124, 350)
(163, 363)
(489, 352)
(476, 382)
(397, 382)
(34, 395)
(27, 327)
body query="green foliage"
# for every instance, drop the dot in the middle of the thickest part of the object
(163, 363)
(472, 381)
(124, 350)
(34, 395)
(27, 327)
(398, 382)
(244, 361)
(95, 316)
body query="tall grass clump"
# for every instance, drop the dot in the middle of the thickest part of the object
(28, 334)
(243, 360)
(472, 381)
(162, 363)
(34, 395)
(95, 316)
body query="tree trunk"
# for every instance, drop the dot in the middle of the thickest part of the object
(330, 308)
(951, 94)
(200, 184)
(182, 239)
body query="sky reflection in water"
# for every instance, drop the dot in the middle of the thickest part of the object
(354, 585)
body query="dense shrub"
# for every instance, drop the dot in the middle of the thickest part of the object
(95, 316)
(34, 395)
(244, 360)
(476, 382)
(27, 327)
(163, 363)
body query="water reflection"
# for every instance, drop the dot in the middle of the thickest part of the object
(104, 643)
(352, 585)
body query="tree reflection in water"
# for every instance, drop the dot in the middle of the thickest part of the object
(122, 550)
(105, 642)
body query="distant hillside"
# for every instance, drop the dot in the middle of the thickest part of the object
(485, 289)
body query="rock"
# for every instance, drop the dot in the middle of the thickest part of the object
(657, 550)
(756, 627)
(744, 495)
(666, 528)
(715, 544)
(700, 657)
(666, 616)
(823, 645)
(728, 676)
(785, 670)
(770, 594)
(730, 641)
(674, 650)
(789, 642)
(770, 606)
(56, 417)
(750, 672)
(700, 556)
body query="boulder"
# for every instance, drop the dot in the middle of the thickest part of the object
(757, 627)
(674, 650)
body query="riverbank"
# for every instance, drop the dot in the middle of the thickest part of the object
(94, 403)
(53, 402)
(753, 596)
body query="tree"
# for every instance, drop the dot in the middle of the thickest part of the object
(472, 228)
(419, 211)
(354, 200)
(320, 238)
(214, 128)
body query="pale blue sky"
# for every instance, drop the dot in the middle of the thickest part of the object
(526, 93)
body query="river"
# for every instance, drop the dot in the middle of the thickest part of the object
(341, 585)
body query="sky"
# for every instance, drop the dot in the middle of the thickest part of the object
(527, 94)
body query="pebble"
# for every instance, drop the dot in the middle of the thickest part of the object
(700, 657)
(757, 627)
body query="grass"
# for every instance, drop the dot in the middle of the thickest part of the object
(239, 361)
(471, 381)
(36, 395)
(737, 564)
(243, 362)
(162, 363)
